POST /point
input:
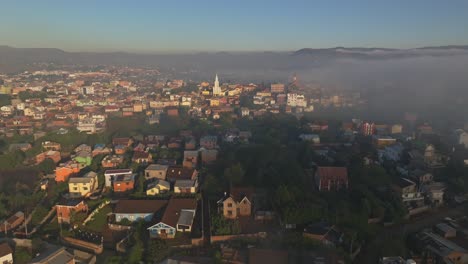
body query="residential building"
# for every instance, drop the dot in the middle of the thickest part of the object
(49, 145)
(66, 170)
(238, 203)
(83, 186)
(157, 187)
(180, 173)
(142, 157)
(435, 192)
(439, 250)
(6, 253)
(368, 129)
(51, 154)
(124, 183)
(408, 191)
(313, 138)
(178, 217)
(331, 178)
(66, 208)
(156, 171)
(112, 161)
(190, 159)
(135, 210)
(109, 175)
(296, 100)
(277, 88)
(186, 186)
(54, 254)
(383, 141)
(209, 142)
(12, 222)
(208, 155)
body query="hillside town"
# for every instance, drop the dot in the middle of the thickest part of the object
(130, 165)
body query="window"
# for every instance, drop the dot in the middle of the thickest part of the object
(85, 188)
(75, 188)
(229, 213)
(229, 205)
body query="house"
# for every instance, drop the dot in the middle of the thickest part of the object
(6, 253)
(439, 249)
(238, 203)
(54, 254)
(178, 217)
(435, 192)
(326, 234)
(19, 146)
(156, 171)
(331, 178)
(12, 222)
(43, 184)
(190, 159)
(112, 161)
(208, 155)
(313, 138)
(66, 208)
(383, 141)
(51, 154)
(124, 183)
(100, 149)
(180, 173)
(407, 190)
(124, 141)
(135, 210)
(142, 157)
(83, 186)
(185, 186)
(109, 175)
(174, 143)
(120, 149)
(445, 230)
(157, 187)
(83, 157)
(49, 145)
(66, 170)
(190, 143)
(209, 142)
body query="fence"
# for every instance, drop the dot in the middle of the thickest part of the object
(80, 244)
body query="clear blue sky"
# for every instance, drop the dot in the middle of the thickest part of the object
(230, 25)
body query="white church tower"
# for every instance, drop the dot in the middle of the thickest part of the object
(216, 88)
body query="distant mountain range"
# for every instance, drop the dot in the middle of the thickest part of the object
(20, 59)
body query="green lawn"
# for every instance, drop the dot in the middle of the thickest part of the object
(99, 221)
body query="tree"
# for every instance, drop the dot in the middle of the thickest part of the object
(235, 174)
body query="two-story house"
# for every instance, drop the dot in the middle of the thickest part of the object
(124, 183)
(83, 186)
(238, 203)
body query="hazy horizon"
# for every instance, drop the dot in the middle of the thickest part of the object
(185, 26)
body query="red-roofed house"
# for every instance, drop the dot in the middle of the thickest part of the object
(331, 178)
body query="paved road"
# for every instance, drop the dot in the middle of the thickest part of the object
(413, 225)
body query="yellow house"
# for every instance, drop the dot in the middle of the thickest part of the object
(157, 187)
(214, 102)
(83, 186)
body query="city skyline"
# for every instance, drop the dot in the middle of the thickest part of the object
(183, 26)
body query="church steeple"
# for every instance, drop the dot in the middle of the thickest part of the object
(216, 87)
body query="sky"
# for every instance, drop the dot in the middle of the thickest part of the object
(227, 25)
